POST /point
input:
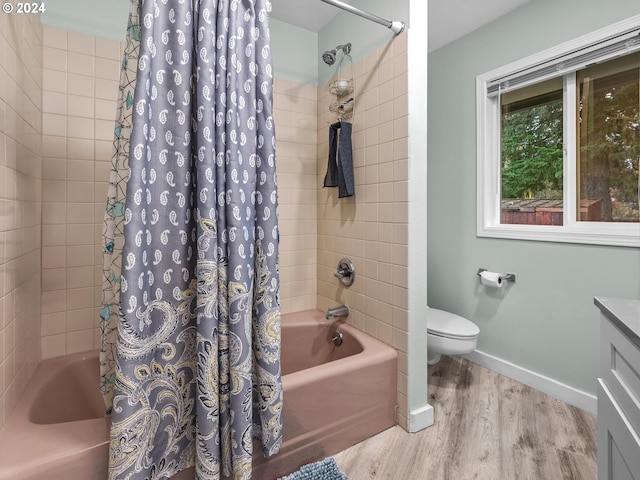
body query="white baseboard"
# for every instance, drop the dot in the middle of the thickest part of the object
(566, 393)
(420, 418)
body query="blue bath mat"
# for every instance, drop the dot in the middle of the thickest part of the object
(326, 469)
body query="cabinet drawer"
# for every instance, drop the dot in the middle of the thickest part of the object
(618, 444)
(620, 368)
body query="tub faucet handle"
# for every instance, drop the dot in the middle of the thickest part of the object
(346, 272)
(341, 273)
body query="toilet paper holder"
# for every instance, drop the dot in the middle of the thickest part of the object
(509, 277)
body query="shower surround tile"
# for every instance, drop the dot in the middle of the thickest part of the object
(371, 227)
(295, 116)
(80, 91)
(20, 204)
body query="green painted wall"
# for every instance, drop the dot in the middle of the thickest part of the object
(294, 51)
(107, 19)
(545, 322)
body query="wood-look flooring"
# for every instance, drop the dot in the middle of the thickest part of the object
(487, 426)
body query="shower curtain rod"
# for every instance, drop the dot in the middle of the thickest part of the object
(396, 26)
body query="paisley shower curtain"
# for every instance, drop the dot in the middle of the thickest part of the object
(198, 348)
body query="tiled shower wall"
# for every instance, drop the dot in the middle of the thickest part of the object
(295, 115)
(371, 228)
(20, 203)
(80, 76)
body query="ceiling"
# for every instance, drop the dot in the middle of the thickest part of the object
(308, 14)
(448, 19)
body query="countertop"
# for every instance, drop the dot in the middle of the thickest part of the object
(623, 313)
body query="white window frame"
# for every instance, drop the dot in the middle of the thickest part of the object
(488, 152)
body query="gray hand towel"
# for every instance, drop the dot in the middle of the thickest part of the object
(340, 164)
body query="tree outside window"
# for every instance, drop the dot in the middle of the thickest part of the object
(609, 137)
(607, 147)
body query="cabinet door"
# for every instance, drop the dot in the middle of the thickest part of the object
(620, 370)
(618, 442)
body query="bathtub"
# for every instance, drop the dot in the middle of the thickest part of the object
(335, 397)
(57, 430)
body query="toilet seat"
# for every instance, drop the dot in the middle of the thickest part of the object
(450, 325)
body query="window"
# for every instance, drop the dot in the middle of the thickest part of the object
(559, 142)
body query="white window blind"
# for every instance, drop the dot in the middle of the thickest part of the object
(607, 49)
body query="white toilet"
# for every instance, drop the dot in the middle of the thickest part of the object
(449, 334)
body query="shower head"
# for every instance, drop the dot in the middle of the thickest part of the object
(329, 57)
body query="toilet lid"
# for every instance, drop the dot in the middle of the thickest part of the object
(446, 324)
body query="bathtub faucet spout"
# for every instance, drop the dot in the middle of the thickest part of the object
(340, 311)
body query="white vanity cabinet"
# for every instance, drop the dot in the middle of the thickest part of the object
(619, 390)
